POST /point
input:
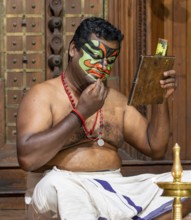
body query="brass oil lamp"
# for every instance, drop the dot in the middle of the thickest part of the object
(176, 188)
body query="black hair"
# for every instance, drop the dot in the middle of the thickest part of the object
(98, 26)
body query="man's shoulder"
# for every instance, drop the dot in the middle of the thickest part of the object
(118, 99)
(42, 91)
(45, 86)
(114, 94)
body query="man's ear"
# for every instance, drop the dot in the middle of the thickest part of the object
(72, 49)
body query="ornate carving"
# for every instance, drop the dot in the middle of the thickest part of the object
(142, 27)
(56, 7)
(56, 41)
(142, 39)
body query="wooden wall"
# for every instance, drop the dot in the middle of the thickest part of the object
(34, 37)
(143, 22)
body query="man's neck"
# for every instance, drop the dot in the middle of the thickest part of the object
(74, 87)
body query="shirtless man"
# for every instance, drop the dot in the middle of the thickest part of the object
(73, 126)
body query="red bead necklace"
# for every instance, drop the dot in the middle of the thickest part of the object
(88, 133)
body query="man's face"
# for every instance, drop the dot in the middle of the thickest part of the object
(97, 59)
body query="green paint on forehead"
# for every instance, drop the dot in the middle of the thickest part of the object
(95, 45)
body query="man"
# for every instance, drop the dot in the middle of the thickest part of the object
(73, 125)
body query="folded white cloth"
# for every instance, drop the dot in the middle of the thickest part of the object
(103, 195)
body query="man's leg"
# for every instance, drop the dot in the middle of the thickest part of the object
(33, 215)
(185, 211)
(64, 197)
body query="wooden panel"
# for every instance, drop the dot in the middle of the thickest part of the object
(188, 81)
(13, 215)
(34, 25)
(136, 167)
(34, 43)
(34, 61)
(14, 43)
(166, 19)
(8, 154)
(12, 188)
(12, 203)
(72, 24)
(11, 134)
(173, 18)
(14, 25)
(157, 22)
(179, 46)
(93, 7)
(34, 78)
(2, 113)
(12, 181)
(11, 115)
(132, 20)
(73, 6)
(14, 7)
(14, 61)
(14, 96)
(169, 36)
(15, 79)
(22, 43)
(34, 7)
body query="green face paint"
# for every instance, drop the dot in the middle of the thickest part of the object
(97, 59)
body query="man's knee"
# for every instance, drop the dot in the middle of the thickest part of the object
(44, 196)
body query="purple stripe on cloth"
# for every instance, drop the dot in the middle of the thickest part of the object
(153, 214)
(161, 210)
(137, 218)
(109, 188)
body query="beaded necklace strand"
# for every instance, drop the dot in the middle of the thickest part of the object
(88, 133)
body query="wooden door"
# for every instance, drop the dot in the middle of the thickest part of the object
(33, 43)
(22, 65)
(143, 22)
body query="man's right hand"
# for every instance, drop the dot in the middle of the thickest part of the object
(92, 99)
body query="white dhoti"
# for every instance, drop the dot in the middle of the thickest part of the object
(104, 195)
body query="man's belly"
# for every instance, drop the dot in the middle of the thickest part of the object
(87, 157)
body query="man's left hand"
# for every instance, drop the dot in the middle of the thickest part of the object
(169, 82)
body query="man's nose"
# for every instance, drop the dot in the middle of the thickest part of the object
(105, 63)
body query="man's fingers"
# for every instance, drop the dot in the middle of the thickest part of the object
(102, 91)
(91, 87)
(170, 79)
(170, 73)
(98, 86)
(97, 90)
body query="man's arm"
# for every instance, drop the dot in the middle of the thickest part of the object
(151, 137)
(38, 141)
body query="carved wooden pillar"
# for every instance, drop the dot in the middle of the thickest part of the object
(133, 20)
(2, 113)
(55, 37)
(142, 37)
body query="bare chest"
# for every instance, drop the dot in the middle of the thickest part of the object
(111, 131)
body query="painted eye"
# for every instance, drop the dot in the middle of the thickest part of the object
(111, 60)
(96, 56)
